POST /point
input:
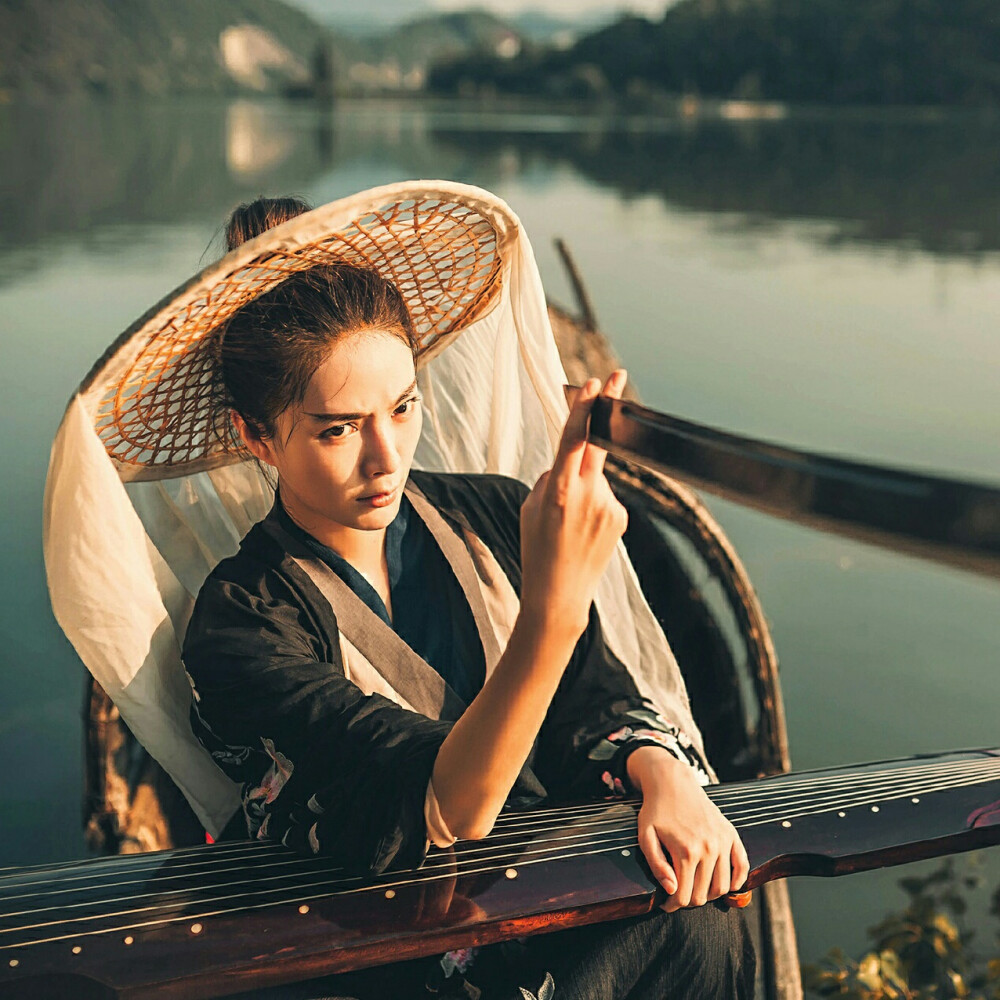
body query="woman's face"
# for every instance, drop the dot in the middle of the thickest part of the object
(343, 455)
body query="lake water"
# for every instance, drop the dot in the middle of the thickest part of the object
(827, 283)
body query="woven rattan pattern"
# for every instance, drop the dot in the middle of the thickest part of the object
(443, 257)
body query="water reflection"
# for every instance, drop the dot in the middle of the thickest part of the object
(932, 185)
(76, 169)
(256, 142)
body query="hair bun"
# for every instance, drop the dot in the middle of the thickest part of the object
(255, 217)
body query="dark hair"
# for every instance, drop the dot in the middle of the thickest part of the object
(255, 217)
(269, 350)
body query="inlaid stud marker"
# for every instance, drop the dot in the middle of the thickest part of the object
(303, 909)
(626, 853)
(841, 814)
(390, 893)
(14, 963)
(874, 809)
(786, 824)
(76, 949)
(915, 801)
(511, 873)
(196, 928)
(128, 940)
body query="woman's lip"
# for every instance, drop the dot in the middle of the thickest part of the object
(378, 499)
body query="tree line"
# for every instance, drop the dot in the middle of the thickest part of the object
(841, 52)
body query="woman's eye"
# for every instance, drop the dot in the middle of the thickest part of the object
(337, 431)
(407, 406)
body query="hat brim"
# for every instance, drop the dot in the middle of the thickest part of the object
(443, 245)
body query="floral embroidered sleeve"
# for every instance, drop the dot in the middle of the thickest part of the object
(645, 728)
(597, 718)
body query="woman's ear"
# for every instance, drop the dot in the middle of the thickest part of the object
(259, 447)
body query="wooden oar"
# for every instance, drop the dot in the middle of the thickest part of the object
(947, 520)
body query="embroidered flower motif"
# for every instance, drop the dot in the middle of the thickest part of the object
(669, 740)
(545, 992)
(620, 735)
(650, 717)
(682, 749)
(262, 832)
(615, 785)
(656, 730)
(458, 960)
(253, 811)
(603, 750)
(313, 839)
(274, 780)
(607, 748)
(227, 755)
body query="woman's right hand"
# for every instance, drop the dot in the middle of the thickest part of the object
(571, 522)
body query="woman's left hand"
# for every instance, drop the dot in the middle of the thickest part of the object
(693, 851)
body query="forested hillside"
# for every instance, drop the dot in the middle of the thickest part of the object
(118, 47)
(159, 47)
(819, 51)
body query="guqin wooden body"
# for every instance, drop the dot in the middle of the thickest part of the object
(205, 922)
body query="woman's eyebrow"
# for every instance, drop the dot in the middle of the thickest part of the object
(344, 417)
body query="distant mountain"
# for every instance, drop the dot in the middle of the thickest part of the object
(121, 47)
(540, 26)
(426, 40)
(162, 47)
(375, 19)
(363, 20)
(398, 59)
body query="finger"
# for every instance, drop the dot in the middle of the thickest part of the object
(661, 868)
(722, 877)
(701, 882)
(534, 498)
(594, 456)
(686, 867)
(741, 865)
(540, 483)
(574, 435)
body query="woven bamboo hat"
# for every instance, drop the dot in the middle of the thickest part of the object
(443, 246)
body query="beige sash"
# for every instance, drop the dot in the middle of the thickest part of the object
(405, 674)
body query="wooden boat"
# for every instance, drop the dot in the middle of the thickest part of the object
(695, 584)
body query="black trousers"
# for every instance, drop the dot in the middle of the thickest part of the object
(698, 954)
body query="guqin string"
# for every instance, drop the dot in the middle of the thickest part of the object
(67, 891)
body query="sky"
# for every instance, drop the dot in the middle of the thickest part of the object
(564, 8)
(388, 12)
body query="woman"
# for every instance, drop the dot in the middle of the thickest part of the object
(318, 376)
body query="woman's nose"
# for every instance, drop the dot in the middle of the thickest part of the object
(381, 455)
